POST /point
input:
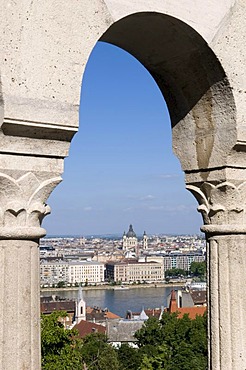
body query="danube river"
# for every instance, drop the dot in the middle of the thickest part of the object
(119, 301)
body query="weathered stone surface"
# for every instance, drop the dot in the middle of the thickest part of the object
(196, 53)
(23, 205)
(20, 305)
(227, 322)
(223, 207)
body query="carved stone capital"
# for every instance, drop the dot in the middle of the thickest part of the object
(23, 205)
(223, 207)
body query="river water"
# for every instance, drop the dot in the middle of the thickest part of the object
(119, 301)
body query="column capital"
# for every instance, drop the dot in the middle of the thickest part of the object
(23, 205)
(222, 205)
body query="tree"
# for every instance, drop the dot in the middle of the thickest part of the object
(150, 333)
(198, 269)
(97, 354)
(175, 272)
(173, 344)
(129, 358)
(168, 344)
(60, 349)
(157, 362)
(61, 284)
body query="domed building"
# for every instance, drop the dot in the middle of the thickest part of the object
(130, 240)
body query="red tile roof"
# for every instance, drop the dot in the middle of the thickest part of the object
(49, 307)
(191, 311)
(86, 327)
(111, 315)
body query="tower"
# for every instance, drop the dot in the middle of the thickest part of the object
(145, 241)
(124, 247)
(80, 307)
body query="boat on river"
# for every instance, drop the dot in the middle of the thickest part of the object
(121, 287)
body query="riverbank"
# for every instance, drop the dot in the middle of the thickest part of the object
(108, 287)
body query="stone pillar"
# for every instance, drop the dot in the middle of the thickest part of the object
(22, 208)
(223, 208)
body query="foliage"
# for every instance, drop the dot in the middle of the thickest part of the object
(198, 268)
(168, 344)
(173, 344)
(59, 346)
(61, 349)
(97, 354)
(175, 272)
(129, 358)
(157, 362)
(61, 284)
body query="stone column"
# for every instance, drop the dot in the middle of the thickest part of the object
(223, 206)
(22, 208)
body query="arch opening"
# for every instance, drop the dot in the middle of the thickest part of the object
(192, 81)
(136, 146)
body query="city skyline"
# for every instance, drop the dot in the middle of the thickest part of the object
(121, 169)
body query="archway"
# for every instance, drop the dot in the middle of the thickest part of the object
(191, 80)
(40, 117)
(202, 110)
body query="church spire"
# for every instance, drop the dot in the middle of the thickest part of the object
(80, 294)
(80, 307)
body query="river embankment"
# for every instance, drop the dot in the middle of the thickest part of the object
(112, 287)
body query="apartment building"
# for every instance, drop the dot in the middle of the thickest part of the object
(53, 272)
(91, 272)
(133, 271)
(182, 260)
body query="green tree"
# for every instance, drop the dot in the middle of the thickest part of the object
(150, 333)
(61, 284)
(60, 349)
(159, 361)
(175, 272)
(174, 344)
(198, 269)
(97, 354)
(129, 358)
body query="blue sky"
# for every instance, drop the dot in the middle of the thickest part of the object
(121, 168)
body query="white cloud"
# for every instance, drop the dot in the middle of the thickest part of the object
(147, 197)
(170, 175)
(156, 208)
(142, 198)
(129, 209)
(175, 208)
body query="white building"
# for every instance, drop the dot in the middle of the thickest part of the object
(130, 240)
(132, 271)
(53, 272)
(81, 272)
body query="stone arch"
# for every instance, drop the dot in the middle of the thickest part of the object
(204, 131)
(192, 81)
(45, 51)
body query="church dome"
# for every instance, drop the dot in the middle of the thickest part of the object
(131, 233)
